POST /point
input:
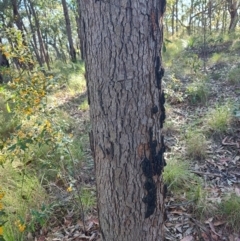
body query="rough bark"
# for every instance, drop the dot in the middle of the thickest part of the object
(69, 31)
(122, 42)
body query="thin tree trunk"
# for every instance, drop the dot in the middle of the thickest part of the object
(173, 19)
(41, 43)
(122, 48)
(79, 28)
(34, 44)
(233, 6)
(176, 16)
(20, 26)
(69, 31)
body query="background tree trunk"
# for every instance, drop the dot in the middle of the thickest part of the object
(43, 51)
(233, 6)
(69, 31)
(122, 48)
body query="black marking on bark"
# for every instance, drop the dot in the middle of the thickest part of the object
(165, 215)
(101, 101)
(150, 210)
(163, 98)
(159, 76)
(151, 167)
(150, 134)
(162, 119)
(151, 197)
(165, 191)
(147, 168)
(162, 108)
(153, 146)
(158, 163)
(163, 4)
(154, 110)
(162, 143)
(149, 184)
(104, 154)
(157, 63)
(91, 141)
(110, 150)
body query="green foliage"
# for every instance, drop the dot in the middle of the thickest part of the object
(197, 92)
(176, 174)
(229, 209)
(173, 89)
(234, 75)
(216, 58)
(77, 83)
(62, 119)
(2, 216)
(84, 105)
(235, 46)
(88, 198)
(22, 192)
(218, 120)
(174, 48)
(8, 121)
(40, 216)
(196, 144)
(198, 195)
(36, 135)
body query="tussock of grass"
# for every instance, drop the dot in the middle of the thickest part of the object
(218, 120)
(197, 92)
(88, 198)
(22, 193)
(77, 83)
(234, 75)
(198, 195)
(196, 145)
(229, 209)
(235, 46)
(63, 120)
(84, 105)
(216, 58)
(176, 174)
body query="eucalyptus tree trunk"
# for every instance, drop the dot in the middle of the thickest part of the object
(34, 43)
(176, 4)
(122, 42)
(69, 31)
(233, 6)
(43, 52)
(173, 18)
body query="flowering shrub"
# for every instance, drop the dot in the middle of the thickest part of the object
(2, 216)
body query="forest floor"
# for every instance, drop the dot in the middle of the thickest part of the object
(217, 152)
(209, 150)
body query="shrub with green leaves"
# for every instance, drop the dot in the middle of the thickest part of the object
(229, 209)
(176, 173)
(197, 92)
(234, 75)
(196, 145)
(218, 120)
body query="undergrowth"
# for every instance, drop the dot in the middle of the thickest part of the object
(39, 147)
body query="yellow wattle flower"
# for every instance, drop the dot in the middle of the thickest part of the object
(69, 189)
(1, 195)
(1, 230)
